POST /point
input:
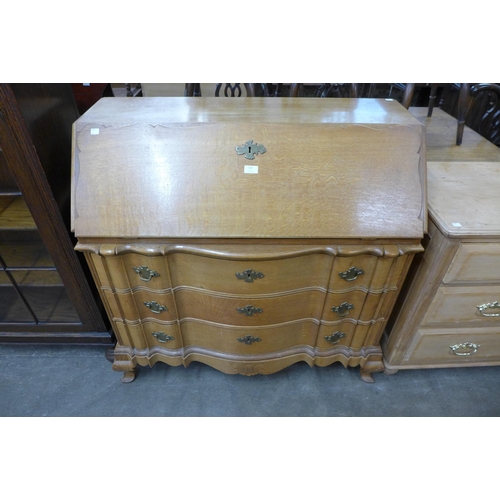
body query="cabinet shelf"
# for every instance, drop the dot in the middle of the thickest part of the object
(15, 215)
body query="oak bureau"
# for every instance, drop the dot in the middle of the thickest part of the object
(248, 233)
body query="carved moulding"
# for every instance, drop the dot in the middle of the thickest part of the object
(369, 359)
(224, 251)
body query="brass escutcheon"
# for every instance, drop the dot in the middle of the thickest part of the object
(335, 338)
(155, 307)
(145, 273)
(249, 275)
(250, 149)
(249, 310)
(248, 339)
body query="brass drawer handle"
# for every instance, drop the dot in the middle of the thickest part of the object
(248, 339)
(343, 309)
(155, 307)
(145, 273)
(335, 338)
(470, 349)
(351, 274)
(162, 337)
(249, 275)
(491, 305)
(249, 310)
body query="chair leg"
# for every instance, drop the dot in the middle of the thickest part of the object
(462, 110)
(408, 95)
(432, 98)
(294, 90)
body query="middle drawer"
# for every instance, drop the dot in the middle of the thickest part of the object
(141, 304)
(453, 304)
(249, 310)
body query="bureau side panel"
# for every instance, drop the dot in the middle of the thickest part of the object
(418, 293)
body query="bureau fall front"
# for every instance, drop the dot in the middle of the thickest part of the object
(248, 233)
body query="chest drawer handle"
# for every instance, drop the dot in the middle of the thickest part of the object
(249, 275)
(248, 339)
(145, 273)
(491, 305)
(249, 310)
(335, 338)
(351, 274)
(343, 309)
(162, 337)
(470, 349)
(155, 307)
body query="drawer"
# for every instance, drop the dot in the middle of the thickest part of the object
(250, 277)
(132, 270)
(330, 336)
(131, 306)
(433, 346)
(248, 341)
(255, 310)
(458, 305)
(355, 305)
(347, 334)
(475, 263)
(148, 334)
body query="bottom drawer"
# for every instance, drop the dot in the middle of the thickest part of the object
(470, 346)
(242, 340)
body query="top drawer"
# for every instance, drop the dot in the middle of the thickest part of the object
(131, 271)
(475, 263)
(250, 276)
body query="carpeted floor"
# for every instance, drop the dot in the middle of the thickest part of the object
(78, 381)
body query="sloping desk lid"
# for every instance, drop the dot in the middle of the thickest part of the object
(169, 167)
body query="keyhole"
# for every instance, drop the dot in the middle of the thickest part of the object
(249, 149)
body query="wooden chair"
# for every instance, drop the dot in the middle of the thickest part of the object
(369, 90)
(479, 109)
(475, 105)
(230, 89)
(235, 90)
(325, 90)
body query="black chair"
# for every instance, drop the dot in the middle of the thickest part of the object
(229, 90)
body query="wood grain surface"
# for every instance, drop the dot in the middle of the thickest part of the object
(345, 170)
(464, 198)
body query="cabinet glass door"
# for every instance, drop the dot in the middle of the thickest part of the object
(31, 290)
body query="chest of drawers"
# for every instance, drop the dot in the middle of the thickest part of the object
(451, 315)
(248, 234)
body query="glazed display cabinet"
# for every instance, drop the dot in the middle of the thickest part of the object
(45, 293)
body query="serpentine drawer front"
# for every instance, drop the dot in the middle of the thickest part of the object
(451, 315)
(248, 261)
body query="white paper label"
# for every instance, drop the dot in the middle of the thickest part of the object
(94, 131)
(251, 169)
(456, 224)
